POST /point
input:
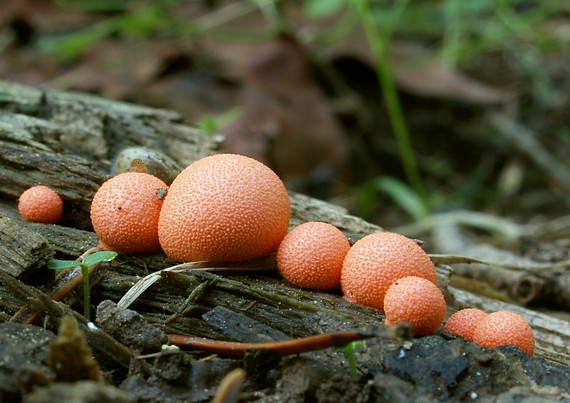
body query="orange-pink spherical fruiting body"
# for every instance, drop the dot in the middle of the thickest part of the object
(311, 256)
(40, 204)
(464, 322)
(416, 301)
(374, 262)
(224, 207)
(125, 212)
(502, 328)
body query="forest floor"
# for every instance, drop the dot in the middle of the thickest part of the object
(490, 139)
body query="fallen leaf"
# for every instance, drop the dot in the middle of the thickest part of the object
(418, 72)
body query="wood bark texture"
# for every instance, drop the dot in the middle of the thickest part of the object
(69, 142)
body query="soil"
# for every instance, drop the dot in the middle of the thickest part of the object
(431, 368)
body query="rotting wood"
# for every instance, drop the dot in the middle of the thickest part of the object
(101, 342)
(168, 295)
(262, 296)
(22, 251)
(523, 279)
(239, 326)
(68, 141)
(551, 334)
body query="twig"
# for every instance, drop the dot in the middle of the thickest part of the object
(288, 347)
(87, 253)
(191, 298)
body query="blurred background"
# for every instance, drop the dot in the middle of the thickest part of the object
(394, 109)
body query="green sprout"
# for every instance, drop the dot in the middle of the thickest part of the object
(89, 261)
(349, 352)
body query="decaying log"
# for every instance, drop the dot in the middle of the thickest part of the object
(549, 289)
(104, 344)
(22, 250)
(68, 142)
(524, 279)
(551, 334)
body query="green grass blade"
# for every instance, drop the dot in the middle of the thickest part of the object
(379, 43)
(402, 194)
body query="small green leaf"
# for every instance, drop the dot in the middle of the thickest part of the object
(62, 264)
(98, 257)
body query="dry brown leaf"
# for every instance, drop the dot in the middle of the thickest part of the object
(422, 74)
(118, 69)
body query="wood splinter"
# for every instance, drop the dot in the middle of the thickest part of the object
(294, 346)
